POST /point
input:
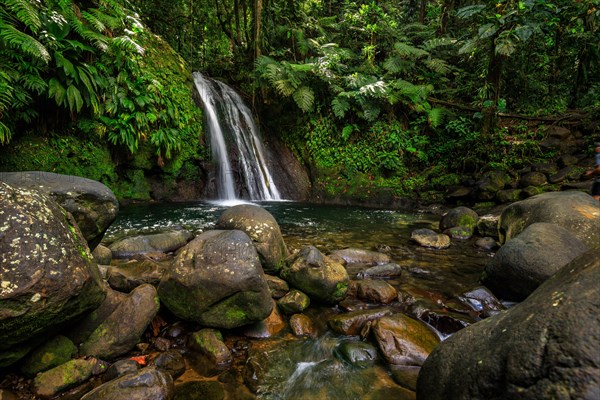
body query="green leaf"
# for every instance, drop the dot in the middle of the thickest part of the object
(487, 30)
(57, 91)
(22, 42)
(469, 11)
(304, 98)
(340, 106)
(505, 47)
(74, 98)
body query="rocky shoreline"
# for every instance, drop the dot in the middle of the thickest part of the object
(123, 322)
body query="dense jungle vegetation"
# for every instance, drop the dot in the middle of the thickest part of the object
(370, 95)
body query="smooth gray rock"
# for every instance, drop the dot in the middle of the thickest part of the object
(164, 242)
(148, 384)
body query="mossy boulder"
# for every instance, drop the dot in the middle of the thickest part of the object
(217, 280)
(264, 231)
(47, 276)
(123, 328)
(92, 204)
(294, 302)
(315, 274)
(210, 343)
(52, 353)
(462, 217)
(64, 376)
(575, 211)
(150, 383)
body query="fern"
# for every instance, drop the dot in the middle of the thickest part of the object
(304, 98)
(469, 11)
(437, 65)
(406, 50)
(26, 13)
(21, 41)
(340, 106)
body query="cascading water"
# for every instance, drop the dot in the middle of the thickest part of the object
(227, 114)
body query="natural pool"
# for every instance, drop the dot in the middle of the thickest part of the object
(303, 368)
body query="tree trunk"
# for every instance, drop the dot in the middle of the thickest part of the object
(494, 75)
(422, 11)
(258, 5)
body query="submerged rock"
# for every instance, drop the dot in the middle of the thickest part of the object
(262, 228)
(142, 244)
(527, 260)
(358, 354)
(47, 276)
(429, 238)
(375, 291)
(352, 323)
(545, 347)
(302, 325)
(316, 275)
(93, 205)
(217, 281)
(388, 270)
(359, 256)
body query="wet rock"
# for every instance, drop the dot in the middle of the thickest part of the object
(352, 323)
(509, 195)
(575, 211)
(126, 277)
(172, 362)
(405, 375)
(486, 243)
(486, 188)
(527, 260)
(120, 368)
(63, 377)
(53, 353)
(302, 325)
(544, 168)
(388, 270)
(199, 390)
(459, 233)
(268, 327)
(567, 160)
(358, 354)
(147, 384)
(359, 256)
(217, 281)
(47, 276)
(565, 173)
(264, 231)
(210, 343)
(102, 255)
(84, 327)
(403, 340)
(487, 225)
(321, 278)
(376, 291)
(481, 300)
(93, 205)
(6, 395)
(294, 302)
(123, 328)
(533, 179)
(545, 347)
(429, 238)
(446, 323)
(531, 191)
(158, 242)
(277, 286)
(462, 217)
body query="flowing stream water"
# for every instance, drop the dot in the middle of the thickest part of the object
(235, 136)
(309, 368)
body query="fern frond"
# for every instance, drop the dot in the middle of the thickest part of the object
(304, 98)
(437, 65)
(438, 42)
(373, 89)
(25, 12)
(5, 133)
(22, 42)
(396, 65)
(340, 106)
(34, 83)
(469, 11)
(94, 21)
(436, 116)
(404, 49)
(468, 47)
(128, 44)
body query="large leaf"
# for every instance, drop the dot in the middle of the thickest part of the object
(74, 98)
(487, 30)
(469, 11)
(304, 98)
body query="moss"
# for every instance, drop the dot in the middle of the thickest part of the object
(235, 315)
(340, 291)
(467, 221)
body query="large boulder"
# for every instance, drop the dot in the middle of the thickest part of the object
(526, 261)
(543, 348)
(163, 242)
(321, 278)
(462, 217)
(47, 276)
(575, 211)
(92, 204)
(123, 328)
(217, 281)
(262, 228)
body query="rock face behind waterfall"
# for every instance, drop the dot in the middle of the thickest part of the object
(217, 280)
(92, 204)
(47, 275)
(264, 231)
(543, 348)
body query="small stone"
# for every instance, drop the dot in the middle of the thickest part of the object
(294, 302)
(172, 362)
(210, 343)
(428, 238)
(63, 377)
(302, 325)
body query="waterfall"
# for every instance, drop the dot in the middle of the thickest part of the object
(233, 131)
